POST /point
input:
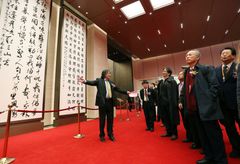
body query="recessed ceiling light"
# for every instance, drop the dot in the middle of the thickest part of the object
(120, 16)
(148, 49)
(181, 25)
(157, 4)
(113, 7)
(139, 38)
(183, 41)
(133, 10)
(86, 13)
(159, 32)
(203, 37)
(179, 3)
(208, 18)
(150, 13)
(117, 1)
(119, 32)
(125, 22)
(79, 7)
(165, 45)
(238, 10)
(226, 32)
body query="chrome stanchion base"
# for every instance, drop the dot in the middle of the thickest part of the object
(79, 136)
(138, 114)
(6, 160)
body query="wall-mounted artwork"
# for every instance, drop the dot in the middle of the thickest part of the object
(23, 44)
(73, 62)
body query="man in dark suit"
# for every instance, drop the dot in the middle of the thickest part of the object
(227, 78)
(200, 95)
(148, 98)
(153, 86)
(105, 101)
(184, 113)
(168, 100)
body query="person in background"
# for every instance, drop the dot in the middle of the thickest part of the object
(183, 111)
(105, 101)
(227, 78)
(148, 98)
(200, 97)
(153, 86)
(238, 81)
(168, 100)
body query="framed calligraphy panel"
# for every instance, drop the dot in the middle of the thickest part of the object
(73, 62)
(23, 44)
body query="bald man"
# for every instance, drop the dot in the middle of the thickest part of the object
(200, 97)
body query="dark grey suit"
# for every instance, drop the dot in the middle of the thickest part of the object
(105, 104)
(208, 112)
(228, 102)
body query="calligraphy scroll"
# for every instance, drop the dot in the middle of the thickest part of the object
(73, 62)
(23, 43)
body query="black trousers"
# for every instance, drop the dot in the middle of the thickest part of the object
(171, 127)
(230, 118)
(195, 127)
(148, 108)
(186, 124)
(154, 113)
(159, 113)
(211, 138)
(106, 111)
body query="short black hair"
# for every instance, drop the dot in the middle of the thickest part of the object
(233, 50)
(153, 84)
(169, 70)
(144, 82)
(104, 72)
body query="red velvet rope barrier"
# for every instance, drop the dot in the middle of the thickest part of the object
(89, 108)
(45, 111)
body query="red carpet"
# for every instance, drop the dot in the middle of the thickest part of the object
(133, 146)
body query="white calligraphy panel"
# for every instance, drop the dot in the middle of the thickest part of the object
(23, 43)
(73, 63)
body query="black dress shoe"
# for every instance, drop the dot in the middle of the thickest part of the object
(204, 161)
(102, 139)
(186, 140)
(151, 130)
(112, 138)
(147, 129)
(234, 154)
(195, 146)
(173, 137)
(166, 135)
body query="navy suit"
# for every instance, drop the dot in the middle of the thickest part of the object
(207, 112)
(228, 102)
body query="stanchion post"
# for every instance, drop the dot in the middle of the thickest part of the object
(5, 159)
(79, 135)
(127, 112)
(120, 110)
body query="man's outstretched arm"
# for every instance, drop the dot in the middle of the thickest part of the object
(88, 82)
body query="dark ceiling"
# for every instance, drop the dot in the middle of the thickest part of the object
(192, 13)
